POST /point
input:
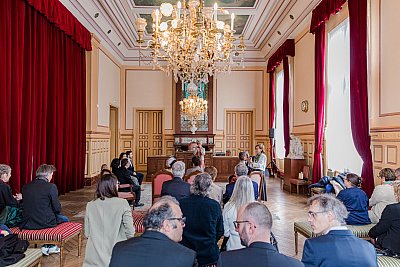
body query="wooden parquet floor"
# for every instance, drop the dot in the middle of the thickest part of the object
(285, 208)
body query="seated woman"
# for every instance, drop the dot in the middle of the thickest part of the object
(243, 193)
(355, 200)
(383, 195)
(10, 213)
(108, 220)
(386, 234)
(216, 192)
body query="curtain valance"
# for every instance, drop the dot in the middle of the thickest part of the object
(63, 19)
(323, 11)
(286, 49)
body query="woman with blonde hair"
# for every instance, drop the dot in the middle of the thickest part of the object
(243, 193)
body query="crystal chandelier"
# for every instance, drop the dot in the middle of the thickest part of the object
(193, 107)
(192, 41)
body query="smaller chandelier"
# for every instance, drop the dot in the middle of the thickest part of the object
(192, 41)
(193, 108)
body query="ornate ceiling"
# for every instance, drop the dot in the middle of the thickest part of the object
(265, 24)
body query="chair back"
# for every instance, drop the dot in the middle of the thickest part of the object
(190, 179)
(257, 177)
(157, 182)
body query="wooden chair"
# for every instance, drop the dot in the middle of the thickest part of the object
(301, 182)
(257, 177)
(191, 177)
(130, 196)
(157, 182)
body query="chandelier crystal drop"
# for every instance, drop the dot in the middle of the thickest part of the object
(191, 40)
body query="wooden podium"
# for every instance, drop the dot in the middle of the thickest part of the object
(292, 169)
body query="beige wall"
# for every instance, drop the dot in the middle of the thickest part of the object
(109, 88)
(241, 89)
(384, 81)
(303, 80)
(247, 89)
(148, 89)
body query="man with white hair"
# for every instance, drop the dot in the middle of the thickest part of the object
(254, 223)
(337, 246)
(176, 187)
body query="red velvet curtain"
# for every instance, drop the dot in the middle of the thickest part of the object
(272, 111)
(359, 90)
(286, 131)
(286, 49)
(320, 46)
(319, 15)
(43, 108)
(323, 11)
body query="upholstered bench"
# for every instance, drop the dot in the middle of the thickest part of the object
(33, 257)
(384, 261)
(304, 228)
(138, 221)
(58, 235)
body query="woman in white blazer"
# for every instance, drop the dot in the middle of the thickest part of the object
(108, 220)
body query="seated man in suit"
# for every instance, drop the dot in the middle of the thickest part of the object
(176, 187)
(124, 177)
(42, 208)
(196, 166)
(240, 170)
(158, 245)
(139, 175)
(254, 223)
(337, 246)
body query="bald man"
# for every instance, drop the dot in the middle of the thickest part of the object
(254, 223)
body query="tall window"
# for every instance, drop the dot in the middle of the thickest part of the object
(340, 151)
(280, 141)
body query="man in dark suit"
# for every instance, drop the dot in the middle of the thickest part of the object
(336, 246)
(139, 175)
(254, 223)
(240, 170)
(176, 187)
(42, 209)
(386, 233)
(124, 177)
(158, 245)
